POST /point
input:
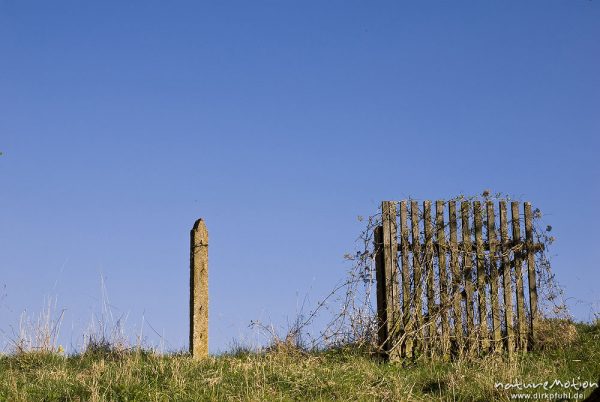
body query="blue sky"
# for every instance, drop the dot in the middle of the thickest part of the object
(278, 122)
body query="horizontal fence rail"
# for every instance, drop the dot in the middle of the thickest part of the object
(450, 278)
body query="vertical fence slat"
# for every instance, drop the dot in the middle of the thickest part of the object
(443, 276)
(428, 263)
(390, 255)
(518, 260)
(406, 291)
(382, 328)
(456, 277)
(533, 301)
(492, 240)
(507, 279)
(417, 274)
(467, 268)
(481, 287)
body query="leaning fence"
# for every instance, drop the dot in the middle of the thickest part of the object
(454, 282)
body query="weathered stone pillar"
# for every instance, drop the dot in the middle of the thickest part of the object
(199, 290)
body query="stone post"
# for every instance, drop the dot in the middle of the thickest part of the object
(199, 290)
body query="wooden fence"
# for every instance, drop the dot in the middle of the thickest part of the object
(453, 283)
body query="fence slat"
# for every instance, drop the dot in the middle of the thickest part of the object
(467, 268)
(481, 277)
(443, 275)
(406, 291)
(506, 279)
(492, 240)
(417, 274)
(390, 255)
(516, 233)
(533, 300)
(428, 263)
(382, 328)
(456, 277)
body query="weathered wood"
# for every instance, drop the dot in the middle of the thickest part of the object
(467, 268)
(406, 291)
(428, 264)
(392, 295)
(199, 290)
(475, 278)
(481, 277)
(382, 318)
(456, 277)
(492, 240)
(533, 298)
(443, 276)
(506, 279)
(518, 261)
(417, 273)
(486, 246)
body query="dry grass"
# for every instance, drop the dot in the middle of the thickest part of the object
(286, 373)
(554, 333)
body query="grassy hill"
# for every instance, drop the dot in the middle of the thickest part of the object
(291, 374)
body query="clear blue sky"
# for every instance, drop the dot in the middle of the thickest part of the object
(278, 122)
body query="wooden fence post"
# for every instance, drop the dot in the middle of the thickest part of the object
(199, 290)
(506, 279)
(388, 296)
(481, 277)
(431, 328)
(456, 278)
(467, 270)
(417, 275)
(518, 261)
(531, 274)
(407, 298)
(492, 240)
(443, 276)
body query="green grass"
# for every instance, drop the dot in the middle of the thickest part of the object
(343, 374)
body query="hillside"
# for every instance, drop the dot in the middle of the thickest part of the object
(291, 374)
